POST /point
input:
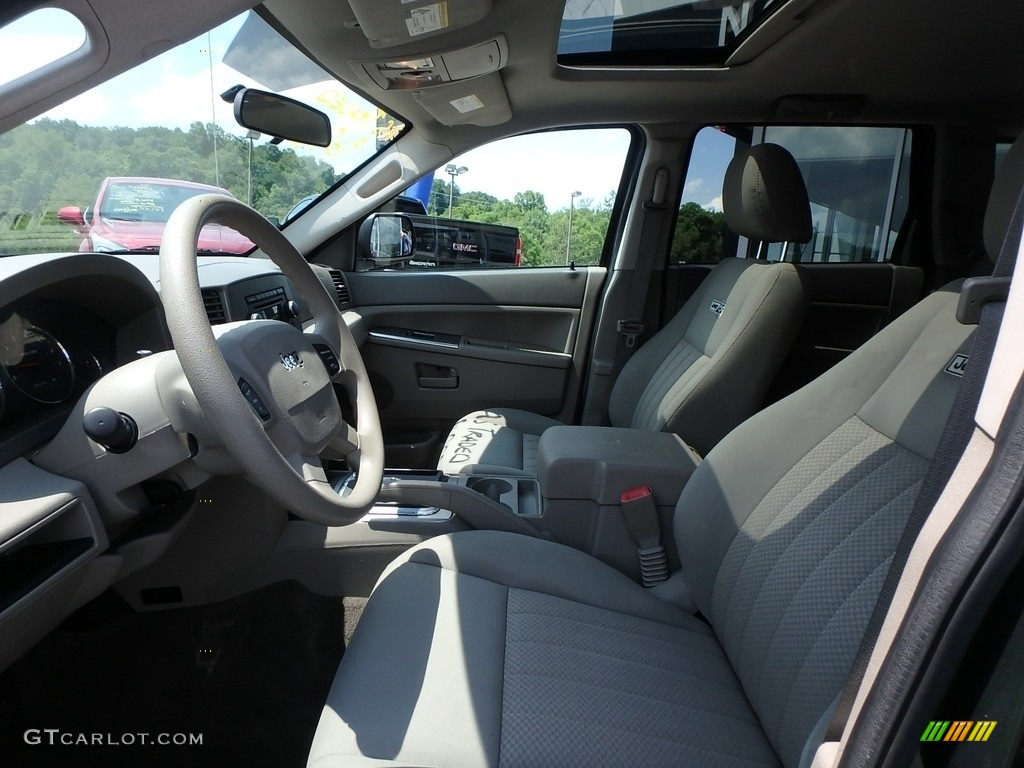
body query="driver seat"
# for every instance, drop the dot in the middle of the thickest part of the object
(493, 649)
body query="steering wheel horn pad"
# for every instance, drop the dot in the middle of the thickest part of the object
(283, 369)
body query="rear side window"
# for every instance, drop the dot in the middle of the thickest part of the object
(858, 182)
(700, 235)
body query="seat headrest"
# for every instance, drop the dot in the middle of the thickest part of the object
(1002, 198)
(764, 196)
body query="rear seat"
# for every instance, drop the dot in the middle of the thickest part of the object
(847, 305)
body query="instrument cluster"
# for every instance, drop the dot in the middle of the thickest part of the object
(50, 352)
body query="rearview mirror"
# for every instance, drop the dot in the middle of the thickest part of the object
(387, 239)
(281, 117)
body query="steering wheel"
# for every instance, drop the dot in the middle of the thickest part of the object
(265, 387)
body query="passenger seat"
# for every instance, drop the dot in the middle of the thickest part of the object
(708, 369)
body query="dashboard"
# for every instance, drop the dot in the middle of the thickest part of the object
(66, 320)
(79, 331)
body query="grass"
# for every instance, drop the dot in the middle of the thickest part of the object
(38, 238)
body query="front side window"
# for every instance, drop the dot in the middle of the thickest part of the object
(540, 200)
(104, 170)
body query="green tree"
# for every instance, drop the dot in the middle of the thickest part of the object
(530, 201)
(698, 235)
(439, 197)
(51, 164)
(589, 228)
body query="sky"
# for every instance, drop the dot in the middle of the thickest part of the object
(712, 150)
(555, 164)
(174, 90)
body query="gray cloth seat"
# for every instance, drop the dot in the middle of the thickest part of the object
(493, 649)
(710, 366)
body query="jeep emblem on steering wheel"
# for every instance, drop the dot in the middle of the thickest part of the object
(291, 361)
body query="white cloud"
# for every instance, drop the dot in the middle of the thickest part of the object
(715, 204)
(807, 143)
(87, 109)
(176, 101)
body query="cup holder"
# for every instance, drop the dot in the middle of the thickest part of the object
(491, 487)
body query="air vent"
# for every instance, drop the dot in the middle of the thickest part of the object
(340, 287)
(213, 302)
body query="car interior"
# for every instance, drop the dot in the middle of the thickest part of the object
(727, 475)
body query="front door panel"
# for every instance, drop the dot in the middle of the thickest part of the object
(442, 344)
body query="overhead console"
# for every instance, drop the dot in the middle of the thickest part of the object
(440, 68)
(461, 86)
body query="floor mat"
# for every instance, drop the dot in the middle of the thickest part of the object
(247, 677)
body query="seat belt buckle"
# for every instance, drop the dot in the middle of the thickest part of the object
(632, 330)
(641, 516)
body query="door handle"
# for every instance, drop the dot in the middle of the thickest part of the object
(436, 376)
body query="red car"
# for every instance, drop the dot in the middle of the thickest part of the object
(130, 214)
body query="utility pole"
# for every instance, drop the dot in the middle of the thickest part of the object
(568, 236)
(452, 170)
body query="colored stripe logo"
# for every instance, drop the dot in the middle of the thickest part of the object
(959, 730)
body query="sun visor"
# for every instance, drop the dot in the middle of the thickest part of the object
(387, 23)
(480, 101)
(256, 52)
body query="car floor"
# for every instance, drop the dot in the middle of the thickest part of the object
(250, 674)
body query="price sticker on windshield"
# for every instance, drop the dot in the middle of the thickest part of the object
(428, 18)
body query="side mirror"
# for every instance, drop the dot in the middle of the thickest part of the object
(387, 239)
(281, 117)
(71, 215)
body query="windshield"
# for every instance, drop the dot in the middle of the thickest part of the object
(105, 170)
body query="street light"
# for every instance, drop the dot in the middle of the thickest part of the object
(453, 171)
(568, 237)
(251, 136)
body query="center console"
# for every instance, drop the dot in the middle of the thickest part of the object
(429, 502)
(584, 472)
(575, 499)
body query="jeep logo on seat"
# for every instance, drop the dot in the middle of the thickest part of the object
(957, 365)
(717, 306)
(291, 361)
